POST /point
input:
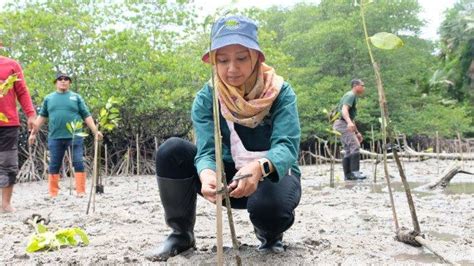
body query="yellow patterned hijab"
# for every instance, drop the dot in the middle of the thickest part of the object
(249, 103)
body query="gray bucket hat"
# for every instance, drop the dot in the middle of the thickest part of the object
(234, 30)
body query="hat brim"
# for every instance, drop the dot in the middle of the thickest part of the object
(233, 39)
(63, 76)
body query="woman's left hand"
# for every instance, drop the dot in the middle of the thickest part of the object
(246, 186)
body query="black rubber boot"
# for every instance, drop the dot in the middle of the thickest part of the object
(270, 242)
(346, 166)
(355, 164)
(178, 197)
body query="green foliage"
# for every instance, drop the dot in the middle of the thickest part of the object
(454, 78)
(149, 55)
(75, 128)
(109, 116)
(43, 239)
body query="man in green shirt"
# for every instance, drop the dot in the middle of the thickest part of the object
(60, 108)
(350, 136)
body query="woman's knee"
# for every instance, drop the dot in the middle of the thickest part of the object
(271, 216)
(175, 158)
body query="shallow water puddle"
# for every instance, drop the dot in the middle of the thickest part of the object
(421, 257)
(442, 236)
(397, 186)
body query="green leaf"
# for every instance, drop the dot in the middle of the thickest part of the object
(69, 128)
(82, 134)
(334, 132)
(386, 41)
(103, 112)
(3, 118)
(83, 235)
(41, 228)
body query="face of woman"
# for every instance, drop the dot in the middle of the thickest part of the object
(234, 65)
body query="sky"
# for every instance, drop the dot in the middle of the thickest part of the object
(432, 11)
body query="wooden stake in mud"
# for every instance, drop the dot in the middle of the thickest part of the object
(138, 155)
(221, 182)
(94, 178)
(437, 153)
(372, 149)
(138, 163)
(106, 156)
(71, 169)
(45, 164)
(460, 150)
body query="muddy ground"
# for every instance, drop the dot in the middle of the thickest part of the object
(349, 224)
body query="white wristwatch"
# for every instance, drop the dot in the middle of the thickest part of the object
(265, 167)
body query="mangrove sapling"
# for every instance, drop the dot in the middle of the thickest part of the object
(109, 116)
(389, 41)
(75, 129)
(43, 239)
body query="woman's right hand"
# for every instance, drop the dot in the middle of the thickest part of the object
(208, 184)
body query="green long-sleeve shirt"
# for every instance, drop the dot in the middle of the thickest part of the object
(279, 133)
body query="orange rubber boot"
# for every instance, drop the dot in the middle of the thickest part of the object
(53, 185)
(80, 184)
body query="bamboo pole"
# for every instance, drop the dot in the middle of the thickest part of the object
(106, 156)
(460, 150)
(138, 163)
(221, 181)
(94, 178)
(437, 153)
(71, 169)
(45, 164)
(127, 165)
(138, 155)
(372, 149)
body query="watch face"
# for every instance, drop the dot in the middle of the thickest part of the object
(266, 167)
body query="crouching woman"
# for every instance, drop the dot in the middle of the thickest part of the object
(261, 135)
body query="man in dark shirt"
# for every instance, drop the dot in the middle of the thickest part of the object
(350, 136)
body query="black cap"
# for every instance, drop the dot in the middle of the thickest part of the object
(62, 75)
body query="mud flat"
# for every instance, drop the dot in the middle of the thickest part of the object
(348, 224)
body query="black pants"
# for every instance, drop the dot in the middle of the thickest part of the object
(271, 207)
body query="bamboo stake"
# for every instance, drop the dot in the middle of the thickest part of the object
(127, 162)
(94, 178)
(316, 147)
(220, 176)
(437, 153)
(106, 155)
(138, 163)
(45, 164)
(372, 149)
(384, 115)
(71, 170)
(460, 150)
(138, 155)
